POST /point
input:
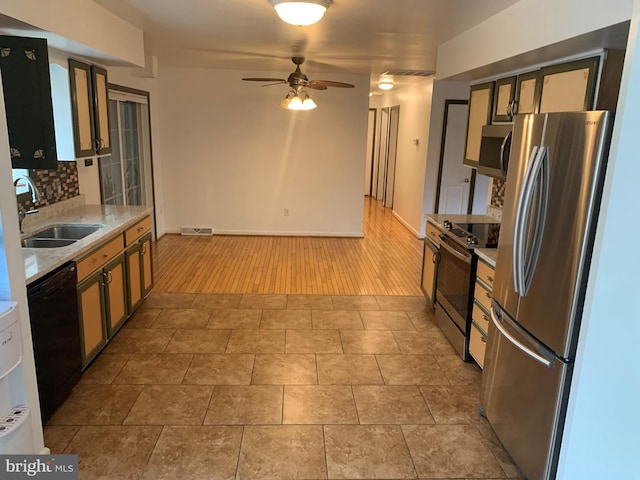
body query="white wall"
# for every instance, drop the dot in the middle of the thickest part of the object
(600, 438)
(526, 26)
(233, 160)
(415, 117)
(81, 26)
(442, 91)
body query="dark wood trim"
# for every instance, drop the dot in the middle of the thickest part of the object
(472, 191)
(442, 148)
(373, 147)
(380, 152)
(395, 108)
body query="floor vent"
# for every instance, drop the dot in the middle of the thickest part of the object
(199, 231)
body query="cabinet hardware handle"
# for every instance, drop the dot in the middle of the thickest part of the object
(486, 319)
(105, 255)
(483, 339)
(435, 258)
(140, 229)
(488, 296)
(490, 278)
(144, 249)
(108, 276)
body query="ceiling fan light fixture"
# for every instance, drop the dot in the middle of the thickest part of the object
(308, 104)
(385, 85)
(301, 13)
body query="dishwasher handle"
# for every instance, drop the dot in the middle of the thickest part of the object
(47, 287)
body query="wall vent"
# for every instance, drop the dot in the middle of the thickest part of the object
(197, 231)
(409, 73)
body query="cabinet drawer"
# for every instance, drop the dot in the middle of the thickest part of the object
(485, 273)
(477, 345)
(433, 233)
(480, 318)
(483, 296)
(135, 232)
(98, 258)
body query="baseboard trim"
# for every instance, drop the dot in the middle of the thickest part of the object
(406, 224)
(262, 233)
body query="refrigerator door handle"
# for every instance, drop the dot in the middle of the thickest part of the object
(548, 359)
(541, 179)
(519, 231)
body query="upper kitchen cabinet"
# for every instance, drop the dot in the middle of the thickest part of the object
(480, 107)
(568, 87)
(503, 105)
(526, 100)
(24, 63)
(89, 109)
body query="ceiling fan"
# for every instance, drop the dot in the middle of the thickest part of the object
(298, 80)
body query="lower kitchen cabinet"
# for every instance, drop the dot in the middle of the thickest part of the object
(480, 314)
(139, 263)
(114, 281)
(93, 333)
(430, 271)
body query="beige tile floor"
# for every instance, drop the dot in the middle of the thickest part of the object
(205, 386)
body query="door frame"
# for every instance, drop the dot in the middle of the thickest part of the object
(443, 139)
(143, 93)
(383, 150)
(389, 202)
(373, 149)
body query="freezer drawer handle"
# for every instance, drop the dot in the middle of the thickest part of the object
(539, 358)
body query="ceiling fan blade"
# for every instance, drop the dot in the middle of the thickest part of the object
(259, 79)
(329, 83)
(316, 86)
(275, 83)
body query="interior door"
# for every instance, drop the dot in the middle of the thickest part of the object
(383, 152)
(371, 137)
(392, 150)
(454, 178)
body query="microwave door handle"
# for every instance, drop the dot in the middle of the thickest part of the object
(519, 230)
(547, 362)
(504, 152)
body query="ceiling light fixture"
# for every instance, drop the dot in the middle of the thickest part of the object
(301, 12)
(385, 85)
(295, 101)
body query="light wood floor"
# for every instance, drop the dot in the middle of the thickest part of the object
(387, 261)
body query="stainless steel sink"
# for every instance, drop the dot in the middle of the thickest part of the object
(67, 231)
(59, 235)
(46, 242)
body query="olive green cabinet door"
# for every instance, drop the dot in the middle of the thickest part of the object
(569, 87)
(147, 264)
(92, 327)
(480, 105)
(115, 293)
(429, 271)
(134, 276)
(101, 110)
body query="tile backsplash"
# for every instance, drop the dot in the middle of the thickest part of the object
(497, 193)
(54, 185)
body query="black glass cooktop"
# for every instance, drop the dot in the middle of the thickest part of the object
(483, 235)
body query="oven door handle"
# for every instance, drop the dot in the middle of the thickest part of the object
(455, 253)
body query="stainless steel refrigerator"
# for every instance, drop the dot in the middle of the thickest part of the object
(552, 198)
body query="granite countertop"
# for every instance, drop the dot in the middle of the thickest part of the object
(487, 254)
(40, 261)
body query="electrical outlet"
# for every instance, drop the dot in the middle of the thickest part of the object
(286, 212)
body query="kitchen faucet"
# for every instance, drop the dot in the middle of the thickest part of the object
(35, 197)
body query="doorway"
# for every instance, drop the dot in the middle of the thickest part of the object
(370, 163)
(392, 150)
(126, 176)
(455, 181)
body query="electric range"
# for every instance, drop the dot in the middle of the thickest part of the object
(455, 278)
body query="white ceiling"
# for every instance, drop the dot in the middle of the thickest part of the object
(355, 36)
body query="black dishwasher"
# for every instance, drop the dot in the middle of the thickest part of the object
(55, 331)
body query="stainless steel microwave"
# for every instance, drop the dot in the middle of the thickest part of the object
(495, 147)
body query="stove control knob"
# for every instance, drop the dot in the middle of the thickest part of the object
(447, 224)
(471, 240)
